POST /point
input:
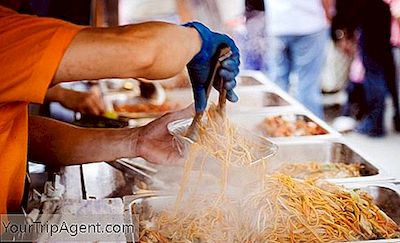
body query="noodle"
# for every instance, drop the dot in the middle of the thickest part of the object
(277, 208)
(221, 139)
(314, 170)
(282, 210)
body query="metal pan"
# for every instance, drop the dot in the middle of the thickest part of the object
(249, 100)
(248, 81)
(134, 204)
(385, 195)
(253, 122)
(325, 151)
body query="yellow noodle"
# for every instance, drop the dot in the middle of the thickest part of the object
(277, 209)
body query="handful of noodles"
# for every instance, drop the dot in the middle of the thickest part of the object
(282, 209)
(229, 143)
(314, 170)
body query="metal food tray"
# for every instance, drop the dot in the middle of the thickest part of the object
(386, 196)
(328, 151)
(251, 78)
(140, 198)
(254, 91)
(251, 120)
(248, 99)
(116, 86)
(248, 81)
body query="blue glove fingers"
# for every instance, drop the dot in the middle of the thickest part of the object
(229, 85)
(200, 99)
(228, 75)
(230, 64)
(227, 40)
(231, 96)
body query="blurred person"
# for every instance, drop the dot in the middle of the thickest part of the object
(297, 35)
(395, 38)
(37, 53)
(253, 46)
(368, 22)
(355, 107)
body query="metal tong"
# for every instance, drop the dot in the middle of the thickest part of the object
(222, 54)
(132, 167)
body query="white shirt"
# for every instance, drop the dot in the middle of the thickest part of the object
(294, 17)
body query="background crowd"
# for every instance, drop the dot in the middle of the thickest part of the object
(366, 38)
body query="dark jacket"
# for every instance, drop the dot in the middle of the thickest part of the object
(371, 19)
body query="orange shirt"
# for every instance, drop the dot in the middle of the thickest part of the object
(31, 49)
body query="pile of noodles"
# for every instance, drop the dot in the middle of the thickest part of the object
(277, 208)
(314, 170)
(283, 209)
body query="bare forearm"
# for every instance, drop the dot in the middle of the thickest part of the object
(54, 94)
(57, 143)
(152, 50)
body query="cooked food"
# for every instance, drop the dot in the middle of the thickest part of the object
(280, 126)
(219, 137)
(282, 209)
(272, 208)
(146, 108)
(314, 170)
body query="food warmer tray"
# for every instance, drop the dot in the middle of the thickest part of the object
(252, 120)
(328, 151)
(248, 99)
(386, 196)
(322, 151)
(254, 90)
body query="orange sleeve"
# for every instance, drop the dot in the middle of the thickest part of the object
(31, 49)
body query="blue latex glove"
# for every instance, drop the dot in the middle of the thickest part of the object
(199, 67)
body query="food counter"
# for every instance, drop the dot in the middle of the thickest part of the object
(307, 148)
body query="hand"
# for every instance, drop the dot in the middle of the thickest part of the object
(84, 102)
(155, 144)
(199, 67)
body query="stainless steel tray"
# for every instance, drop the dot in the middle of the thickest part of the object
(249, 100)
(252, 120)
(136, 201)
(247, 80)
(386, 196)
(326, 151)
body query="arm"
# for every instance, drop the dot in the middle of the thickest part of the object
(84, 102)
(184, 12)
(152, 50)
(328, 7)
(57, 143)
(51, 141)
